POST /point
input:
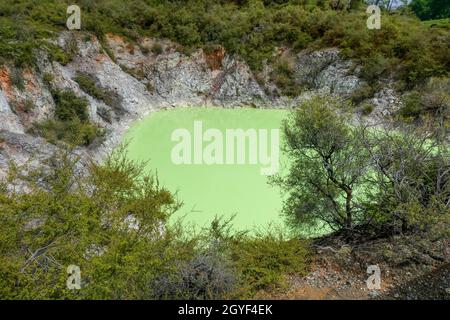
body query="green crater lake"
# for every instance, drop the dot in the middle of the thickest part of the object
(215, 187)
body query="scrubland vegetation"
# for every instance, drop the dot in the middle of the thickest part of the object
(404, 49)
(71, 124)
(366, 180)
(251, 29)
(113, 222)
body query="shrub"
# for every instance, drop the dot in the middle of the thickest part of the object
(263, 260)
(283, 76)
(84, 221)
(436, 98)
(403, 48)
(208, 275)
(260, 259)
(411, 184)
(157, 49)
(111, 221)
(63, 55)
(70, 107)
(47, 78)
(134, 72)
(72, 132)
(367, 108)
(411, 109)
(59, 55)
(28, 105)
(432, 100)
(364, 92)
(71, 124)
(375, 68)
(17, 78)
(88, 84)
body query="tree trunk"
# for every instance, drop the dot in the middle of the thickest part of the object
(348, 209)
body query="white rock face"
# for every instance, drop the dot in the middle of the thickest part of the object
(326, 70)
(142, 81)
(8, 120)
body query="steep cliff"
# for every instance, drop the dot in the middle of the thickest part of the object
(139, 79)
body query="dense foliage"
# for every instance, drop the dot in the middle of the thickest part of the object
(251, 29)
(71, 123)
(113, 224)
(431, 9)
(353, 176)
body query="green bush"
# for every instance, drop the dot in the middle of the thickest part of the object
(70, 107)
(283, 77)
(88, 84)
(71, 124)
(112, 222)
(265, 259)
(367, 108)
(72, 132)
(17, 79)
(28, 105)
(260, 259)
(364, 92)
(433, 99)
(403, 47)
(63, 55)
(412, 108)
(157, 49)
(85, 222)
(47, 78)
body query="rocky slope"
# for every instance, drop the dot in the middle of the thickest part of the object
(142, 80)
(412, 267)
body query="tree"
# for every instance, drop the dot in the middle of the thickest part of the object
(111, 224)
(431, 9)
(110, 220)
(381, 179)
(410, 177)
(328, 166)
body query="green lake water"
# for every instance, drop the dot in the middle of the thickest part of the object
(209, 190)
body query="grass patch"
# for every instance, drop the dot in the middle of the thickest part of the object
(442, 23)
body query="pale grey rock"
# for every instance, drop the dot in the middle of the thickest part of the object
(144, 81)
(326, 69)
(29, 153)
(8, 120)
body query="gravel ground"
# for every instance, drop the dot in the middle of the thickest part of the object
(412, 267)
(434, 285)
